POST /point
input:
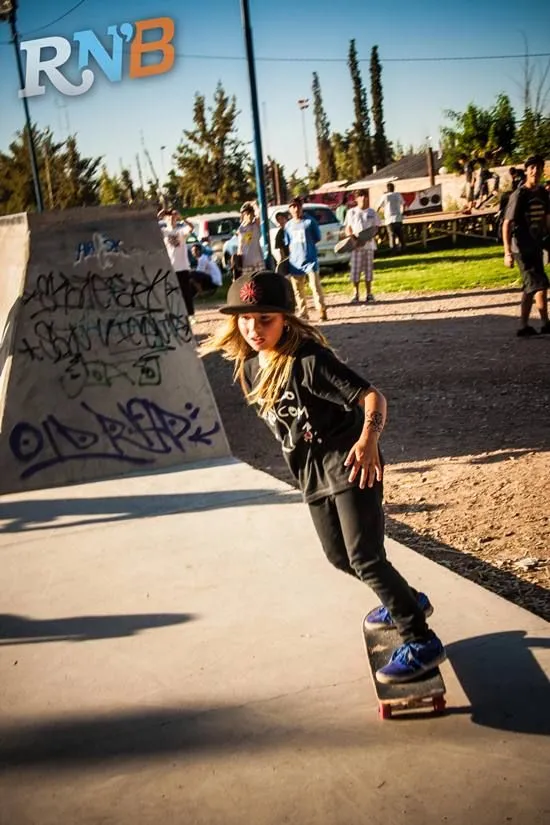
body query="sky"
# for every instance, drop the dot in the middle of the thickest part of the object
(291, 41)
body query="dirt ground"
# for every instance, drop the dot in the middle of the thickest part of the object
(467, 442)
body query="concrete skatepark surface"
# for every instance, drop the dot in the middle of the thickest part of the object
(98, 365)
(175, 648)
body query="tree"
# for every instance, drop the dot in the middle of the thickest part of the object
(479, 132)
(342, 147)
(502, 132)
(297, 185)
(533, 136)
(78, 184)
(327, 166)
(381, 149)
(361, 144)
(211, 160)
(110, 191)
(67, 178)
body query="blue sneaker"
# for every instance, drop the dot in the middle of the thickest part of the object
(380, 618)
(411, 660)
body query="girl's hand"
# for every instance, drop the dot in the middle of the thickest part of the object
(364, 458)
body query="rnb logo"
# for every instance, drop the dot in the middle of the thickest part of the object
(41, 60)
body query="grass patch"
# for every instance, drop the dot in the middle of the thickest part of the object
(440, 270)
(434, 271)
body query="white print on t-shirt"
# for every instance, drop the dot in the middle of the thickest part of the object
(285, 414)
(298, 233)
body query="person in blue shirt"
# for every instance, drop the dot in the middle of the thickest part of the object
(302, 233)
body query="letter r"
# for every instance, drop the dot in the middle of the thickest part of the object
(164, 45)
(35, 65)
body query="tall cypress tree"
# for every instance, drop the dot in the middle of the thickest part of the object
(361, 139)
(381, 149)
(327, 166)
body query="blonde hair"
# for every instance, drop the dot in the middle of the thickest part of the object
(275, 375)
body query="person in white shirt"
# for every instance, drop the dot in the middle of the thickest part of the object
(175, 241)
(248, 235)
(358, 218)
(207, 274)
(393, 205)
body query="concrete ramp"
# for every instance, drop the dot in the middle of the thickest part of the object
(100, 375)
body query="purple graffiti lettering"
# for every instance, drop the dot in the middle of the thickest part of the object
(26, 441)
(140, 431)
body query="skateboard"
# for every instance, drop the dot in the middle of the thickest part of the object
(351, 242)
(428, 691)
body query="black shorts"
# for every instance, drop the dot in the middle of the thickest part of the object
(531, 266)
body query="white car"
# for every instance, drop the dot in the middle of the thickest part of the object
(218, 227)
(330, 227)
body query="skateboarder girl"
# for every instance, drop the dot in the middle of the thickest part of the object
(328, 420)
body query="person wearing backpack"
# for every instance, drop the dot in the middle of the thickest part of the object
(525, 234)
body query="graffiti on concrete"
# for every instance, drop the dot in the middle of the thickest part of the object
(81, 373)
(103, 328)
(138, 433)
(101, 247)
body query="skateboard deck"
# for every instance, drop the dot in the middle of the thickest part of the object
(428, 691)
(351, 242)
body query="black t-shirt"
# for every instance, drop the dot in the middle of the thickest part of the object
(317, 419)
(528, 209)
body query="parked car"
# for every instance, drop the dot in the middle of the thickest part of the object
(329, 225)
(217, 227)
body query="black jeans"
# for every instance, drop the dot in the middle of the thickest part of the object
(396, 235)
(350, 526)
(188, 290)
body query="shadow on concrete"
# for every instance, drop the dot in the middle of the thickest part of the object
(41, 514)
(502, 582)
(68, 742)
(505, 684)
(16, 630)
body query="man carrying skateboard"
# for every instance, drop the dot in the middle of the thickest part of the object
(359, 220)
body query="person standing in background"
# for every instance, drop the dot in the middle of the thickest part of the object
(359, 218)
(393, 205)
(175, 241)
(302, 234)
(525, 232)
(342, 209)
(467, 167)
(248, 235)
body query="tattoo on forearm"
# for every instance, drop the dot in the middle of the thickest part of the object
(374, 421)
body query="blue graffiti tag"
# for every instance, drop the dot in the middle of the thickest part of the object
(140, 432)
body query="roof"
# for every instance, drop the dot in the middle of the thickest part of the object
(411, 166)
(331, 186)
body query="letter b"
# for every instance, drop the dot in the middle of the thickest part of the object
(164, 45)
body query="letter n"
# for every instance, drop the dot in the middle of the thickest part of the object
(140, 47)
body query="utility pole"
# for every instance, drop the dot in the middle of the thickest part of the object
(258, 154)
(303, 104)
(8, 10)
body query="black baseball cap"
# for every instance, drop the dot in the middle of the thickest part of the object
(262, 291)
(534, 160)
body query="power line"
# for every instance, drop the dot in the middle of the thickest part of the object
(362, 60)
(47, 25)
